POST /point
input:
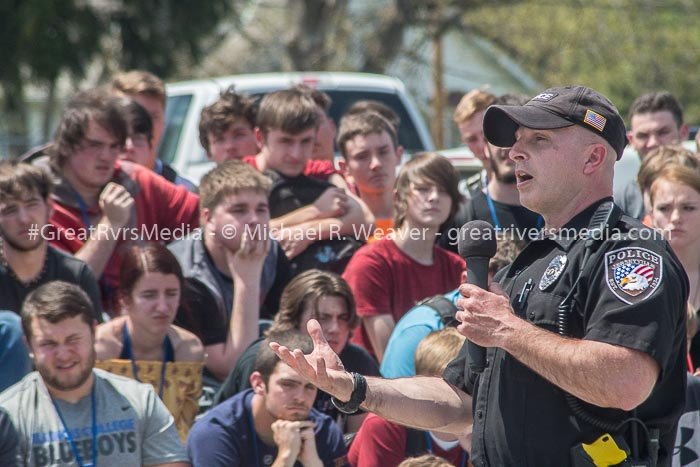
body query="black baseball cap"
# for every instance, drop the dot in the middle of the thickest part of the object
(557, 108)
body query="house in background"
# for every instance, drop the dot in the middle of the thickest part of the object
(469, 62)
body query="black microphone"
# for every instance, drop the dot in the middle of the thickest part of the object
(477, 245)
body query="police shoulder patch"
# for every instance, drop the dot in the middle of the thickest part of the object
(633, 274)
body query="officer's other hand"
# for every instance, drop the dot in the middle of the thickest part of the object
(486, 316)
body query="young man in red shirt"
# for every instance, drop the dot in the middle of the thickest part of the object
(101, 203)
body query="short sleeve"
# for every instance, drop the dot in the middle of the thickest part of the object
(320, 169)
(457, 372)
(239, 378)
(179, 207)
(637, 298)
(369, 278)
(161, 443)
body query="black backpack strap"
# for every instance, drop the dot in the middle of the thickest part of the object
(415, 443)
(169, 173)
(443, 306)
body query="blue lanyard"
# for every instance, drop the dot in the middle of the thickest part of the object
(429, 443)
(492, 208)
(167, 356)
(83, 209)
(107, 289)
(71, 441)
(494, 216)
(253, 433)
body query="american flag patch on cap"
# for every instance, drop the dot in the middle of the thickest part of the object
(595, 120)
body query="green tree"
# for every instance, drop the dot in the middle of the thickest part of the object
(620, 47)
(162, 35)
(40, 40)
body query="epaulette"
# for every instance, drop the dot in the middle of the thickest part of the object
(631, 228)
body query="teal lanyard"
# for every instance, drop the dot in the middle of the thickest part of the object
(494, 216)
(85, 216)
(167, 357)
(71, 441)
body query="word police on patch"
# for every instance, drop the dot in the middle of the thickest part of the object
(633, 274)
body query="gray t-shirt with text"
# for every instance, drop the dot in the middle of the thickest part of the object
(133, 427)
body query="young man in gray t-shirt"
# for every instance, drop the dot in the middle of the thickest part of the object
(67, 412)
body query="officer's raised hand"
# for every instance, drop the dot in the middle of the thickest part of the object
(486, 315)
(322, 367)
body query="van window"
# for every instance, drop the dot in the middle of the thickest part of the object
(408, 135)
(343, 99)
(175, 114)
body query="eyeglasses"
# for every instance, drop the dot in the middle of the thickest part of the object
(95, 147)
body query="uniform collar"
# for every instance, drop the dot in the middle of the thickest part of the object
(567, 235)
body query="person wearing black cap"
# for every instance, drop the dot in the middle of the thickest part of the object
(589, 340)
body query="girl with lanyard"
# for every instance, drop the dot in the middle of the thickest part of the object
(143, 343)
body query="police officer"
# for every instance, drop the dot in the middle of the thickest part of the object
(585, 333)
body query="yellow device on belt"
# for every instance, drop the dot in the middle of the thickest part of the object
(605, 452)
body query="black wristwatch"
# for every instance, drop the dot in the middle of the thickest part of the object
(359, 392)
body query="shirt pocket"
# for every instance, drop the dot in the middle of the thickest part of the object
(541, 309)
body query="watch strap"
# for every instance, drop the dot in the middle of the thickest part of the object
(359, 393)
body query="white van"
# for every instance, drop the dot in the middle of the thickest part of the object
(180, 145)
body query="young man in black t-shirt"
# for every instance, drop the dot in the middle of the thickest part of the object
(304, 211)
(26, 259)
